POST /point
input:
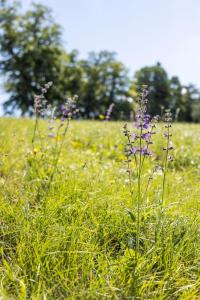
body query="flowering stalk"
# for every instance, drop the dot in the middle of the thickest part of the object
(168, 158)
(138, 147)
(139, 195)
(67, 111)
(127, 154)
(167, 149)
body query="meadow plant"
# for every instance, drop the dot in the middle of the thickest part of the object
(39, 107)
(50, 144)
(168, 148)
(139, 149)
(109, 112)
(59, 129)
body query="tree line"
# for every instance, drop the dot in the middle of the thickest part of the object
(32, 53)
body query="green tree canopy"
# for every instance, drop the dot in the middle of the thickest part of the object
(105, 81)
(156, 79)
(31, 54)
(30, 47)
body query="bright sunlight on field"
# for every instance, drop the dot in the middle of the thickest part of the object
(76, 238)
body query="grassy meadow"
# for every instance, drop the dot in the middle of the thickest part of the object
(76, 239)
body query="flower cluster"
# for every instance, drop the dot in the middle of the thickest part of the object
(69, 108)
(139, 141)
(40, 100)
(66, 112)
(167, 134)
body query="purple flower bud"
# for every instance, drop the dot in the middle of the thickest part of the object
(134, 150)
(146, 125)
(150, 153)
(135, 136)
(144, 150)
(146, 136)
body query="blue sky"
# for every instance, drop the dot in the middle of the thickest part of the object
(142, 32)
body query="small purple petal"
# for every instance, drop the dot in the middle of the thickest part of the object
(134, 150)
(150, 153)
(135, 136)
(146, 125)
(144, 150)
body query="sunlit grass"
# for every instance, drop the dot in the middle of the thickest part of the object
(78, 241)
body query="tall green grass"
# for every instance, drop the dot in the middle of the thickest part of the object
(78, 241)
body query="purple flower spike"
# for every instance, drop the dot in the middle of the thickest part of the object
(109, 112)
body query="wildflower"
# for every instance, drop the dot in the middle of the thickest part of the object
(135, 136)
(150, 153)
(40, 101)
(134, 150)
(69, 108)
(144, 150)
(146, 136)
(109, 112)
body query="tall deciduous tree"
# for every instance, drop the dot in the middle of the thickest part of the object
(105, 81)
(190, 101)
(30, 47)
(156, 79)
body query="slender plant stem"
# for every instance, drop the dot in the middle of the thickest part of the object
(161, 214)
(130, 172)
(34, 131)
(165, 171)
(148, 183)
(139, 197)
(57, 156)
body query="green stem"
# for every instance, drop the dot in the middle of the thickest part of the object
(160, 227)
(130, 173)
(139, 198)
(57, 156)
(34, 131)
(164, 172)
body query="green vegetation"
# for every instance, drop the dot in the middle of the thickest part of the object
(32, 53)
(77, 240)
(94, 209)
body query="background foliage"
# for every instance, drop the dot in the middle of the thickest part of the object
(31, 53)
